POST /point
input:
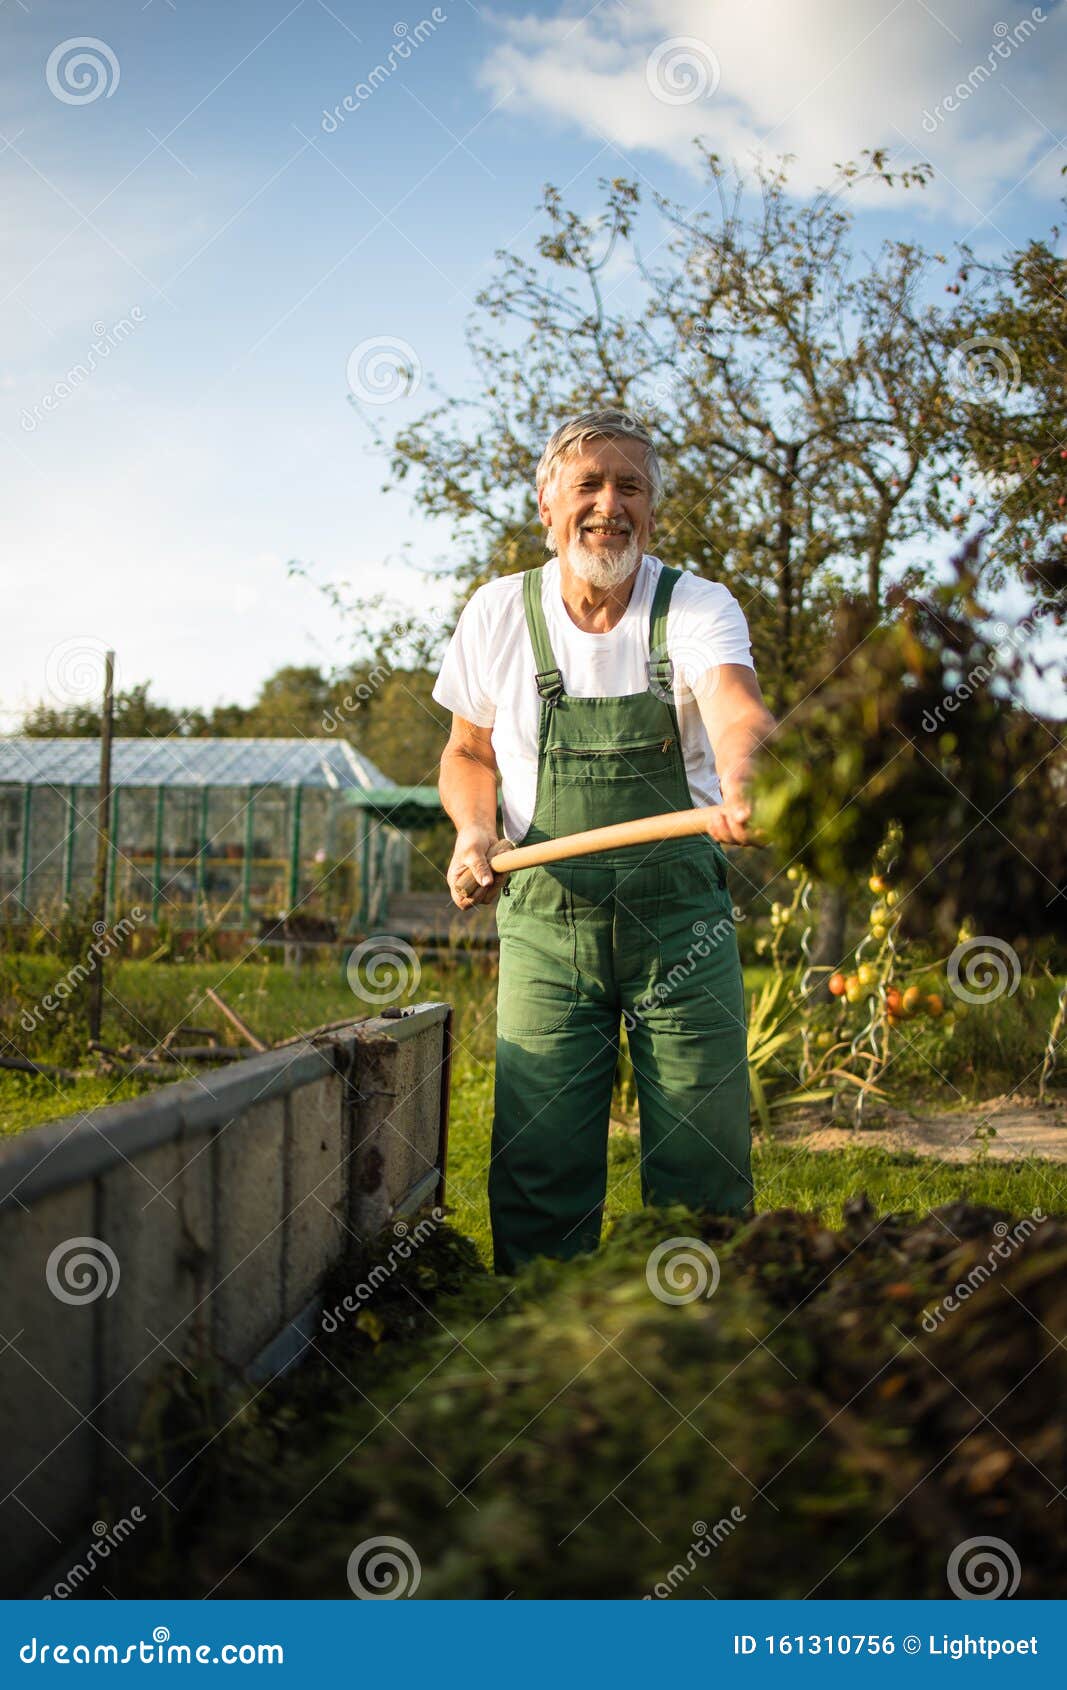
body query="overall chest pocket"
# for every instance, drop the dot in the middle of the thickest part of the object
(640, 760)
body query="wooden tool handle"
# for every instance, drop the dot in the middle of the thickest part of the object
(650, 830)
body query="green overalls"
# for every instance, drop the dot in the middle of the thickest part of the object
(645, 933)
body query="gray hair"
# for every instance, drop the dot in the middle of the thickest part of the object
(599, 425)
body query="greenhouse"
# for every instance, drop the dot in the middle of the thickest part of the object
(207, 832)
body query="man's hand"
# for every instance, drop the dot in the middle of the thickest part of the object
(471, 851)
(730, 824)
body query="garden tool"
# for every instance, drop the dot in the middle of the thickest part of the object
(505, 857)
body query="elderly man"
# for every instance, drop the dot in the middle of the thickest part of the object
(602, 688)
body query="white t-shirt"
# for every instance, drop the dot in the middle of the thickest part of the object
(488, 673)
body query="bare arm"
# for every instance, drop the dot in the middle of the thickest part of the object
(467, 786)
(737, 722)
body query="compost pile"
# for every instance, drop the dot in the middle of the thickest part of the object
(569, 1434)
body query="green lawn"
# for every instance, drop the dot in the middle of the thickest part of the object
(145, 1000)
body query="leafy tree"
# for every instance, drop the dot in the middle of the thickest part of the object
(1008, 364)
(793, 390)
(290, 704)
(135, 716)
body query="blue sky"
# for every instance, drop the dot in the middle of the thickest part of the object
(198, 219)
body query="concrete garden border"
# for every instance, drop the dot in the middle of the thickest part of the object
(195, 1223)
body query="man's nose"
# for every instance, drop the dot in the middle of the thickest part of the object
(609, 503)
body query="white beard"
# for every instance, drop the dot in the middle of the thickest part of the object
(599, 568)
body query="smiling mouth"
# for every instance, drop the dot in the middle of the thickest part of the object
(617, 533)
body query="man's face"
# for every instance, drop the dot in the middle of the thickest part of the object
(599, 508)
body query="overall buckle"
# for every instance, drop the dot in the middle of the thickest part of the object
(550, 685)
(661, 675)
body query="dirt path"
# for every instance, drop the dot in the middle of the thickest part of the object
(1021, 1129)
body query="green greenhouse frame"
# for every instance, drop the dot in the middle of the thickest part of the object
(220, 832)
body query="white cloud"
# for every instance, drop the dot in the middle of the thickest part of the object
(818, 78)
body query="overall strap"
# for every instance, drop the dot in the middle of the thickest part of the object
(549, 675)
(660, 667)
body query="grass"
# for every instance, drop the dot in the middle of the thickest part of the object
(991, 1049)
(785, 1177)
